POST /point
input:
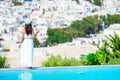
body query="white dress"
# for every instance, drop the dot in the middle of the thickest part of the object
(26, 51)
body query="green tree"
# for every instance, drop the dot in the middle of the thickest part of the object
(96, 2)
(58, 35)
(67, 37)
(86, 26)
(55, 36)
(15, 2)
(110, 19)
(43, 11)
(74, 32)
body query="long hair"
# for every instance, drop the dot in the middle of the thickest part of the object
(28, 29)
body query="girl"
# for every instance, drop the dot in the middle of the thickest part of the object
(26, 46)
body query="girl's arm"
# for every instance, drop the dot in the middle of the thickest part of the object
(22, 37)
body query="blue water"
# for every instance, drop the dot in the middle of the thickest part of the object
(63, 73)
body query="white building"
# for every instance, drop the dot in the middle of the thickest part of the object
(111, 29)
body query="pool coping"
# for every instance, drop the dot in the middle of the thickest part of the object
(60, 67)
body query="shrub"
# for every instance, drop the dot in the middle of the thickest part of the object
(108, 53)
(36, 42)
(59, 61)
(92, 59)
(111, 48)
(113, 61)
(3, 62)
(83, 59)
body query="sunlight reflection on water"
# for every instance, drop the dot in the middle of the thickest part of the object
(25, 75)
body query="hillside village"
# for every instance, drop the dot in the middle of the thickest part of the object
(52, 14)
(49, 14)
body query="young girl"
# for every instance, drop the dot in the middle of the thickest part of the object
(26, 46)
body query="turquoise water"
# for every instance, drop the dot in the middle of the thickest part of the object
(63, 73)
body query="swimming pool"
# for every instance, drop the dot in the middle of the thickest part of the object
(63, 73)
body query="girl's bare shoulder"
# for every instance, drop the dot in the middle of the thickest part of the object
(23, 30)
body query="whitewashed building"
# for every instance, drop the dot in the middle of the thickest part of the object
(111, 29)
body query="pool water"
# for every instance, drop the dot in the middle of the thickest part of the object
(63, 73)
